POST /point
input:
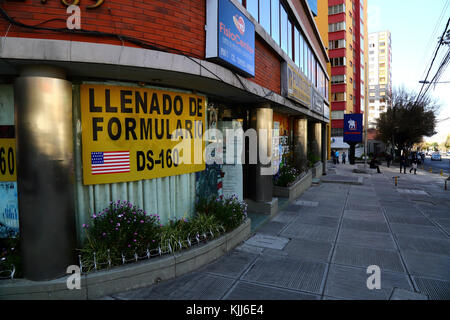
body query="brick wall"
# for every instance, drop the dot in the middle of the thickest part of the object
(177, 24)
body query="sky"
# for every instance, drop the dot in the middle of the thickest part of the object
(415, 27)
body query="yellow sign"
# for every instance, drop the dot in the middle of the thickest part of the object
(299, 88)
(8, 171)
(131, 133)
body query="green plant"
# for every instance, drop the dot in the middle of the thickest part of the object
(10, 252)
(120, 229)
(286, 175)
(229, 212)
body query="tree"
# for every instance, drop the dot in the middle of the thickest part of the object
(408, 120)
(447, 142)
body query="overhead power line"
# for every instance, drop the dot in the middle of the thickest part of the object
(445, 62)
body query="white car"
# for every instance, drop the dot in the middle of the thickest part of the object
(436, 156)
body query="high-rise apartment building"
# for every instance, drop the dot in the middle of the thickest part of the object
(380, 74)
(348, 52)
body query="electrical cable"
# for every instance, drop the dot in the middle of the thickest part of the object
(438, 23)
(432, 62)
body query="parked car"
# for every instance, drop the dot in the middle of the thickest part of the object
(448, 153)
(436, 156)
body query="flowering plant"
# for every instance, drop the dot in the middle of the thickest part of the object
(122, 228)
(286, 175)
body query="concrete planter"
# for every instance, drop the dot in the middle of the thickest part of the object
(317, 170)
(294, 191)
(128, 277)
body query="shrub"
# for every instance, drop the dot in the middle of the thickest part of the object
(229, 212)
(286, 175)
(122, 229)
(10, 252)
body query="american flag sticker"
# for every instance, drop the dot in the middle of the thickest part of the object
(110, 162)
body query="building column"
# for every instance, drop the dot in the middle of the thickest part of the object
(318, 140)
(45, 173)
(262, 121)
(324, 146)
(301, 143)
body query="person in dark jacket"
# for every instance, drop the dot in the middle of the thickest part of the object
(374, 165)
(403, 163)
(388, 159)
(414, 165)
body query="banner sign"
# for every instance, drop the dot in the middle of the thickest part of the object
(353, 127)
(295, 85)
(317, 101)
(230, 37)
(133, 133)
(8, 170)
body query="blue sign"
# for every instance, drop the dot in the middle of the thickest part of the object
(9, 217)
(236, 38)
(353, 127)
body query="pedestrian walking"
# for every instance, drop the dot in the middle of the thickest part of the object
(403, 163)
(343, 157)
(333, 154)
(337, 156)
(414, 165)
(388, 159)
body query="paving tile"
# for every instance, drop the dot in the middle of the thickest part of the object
(435, 289)
(232, 265)
(267, 241)
(315, 219)
(364, 215)
(417, 231)
(427, 245)
(402, 294)
(364, 225)
(427, 264)
(272, 228)
(290, 273)
(405, 219)
(360, 206)
(309, 250)
(351, 283)
(249, 291)
(191, 286)
(310, 232)
(285, 217)
(376, 240)
(444, 224)
(363, 257)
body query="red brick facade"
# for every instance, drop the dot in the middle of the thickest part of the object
(175, 24)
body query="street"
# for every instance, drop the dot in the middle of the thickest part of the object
(437, 166)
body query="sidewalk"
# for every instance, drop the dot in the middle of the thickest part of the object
(320, 246)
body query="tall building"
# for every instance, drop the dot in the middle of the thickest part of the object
(348, 52)
(380, 74)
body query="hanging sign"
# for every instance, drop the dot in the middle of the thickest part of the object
(353, 126)
(230, 37)
(132, 133)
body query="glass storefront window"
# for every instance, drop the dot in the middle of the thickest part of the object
(284, 32)
(264, 14)
(252, 8)
(275, 30)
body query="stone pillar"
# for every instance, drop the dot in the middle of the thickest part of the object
(324, 147)
(318, 140)
(45, 178)
(301, 143)
(262, 119)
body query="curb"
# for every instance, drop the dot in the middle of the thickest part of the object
(132, 276)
